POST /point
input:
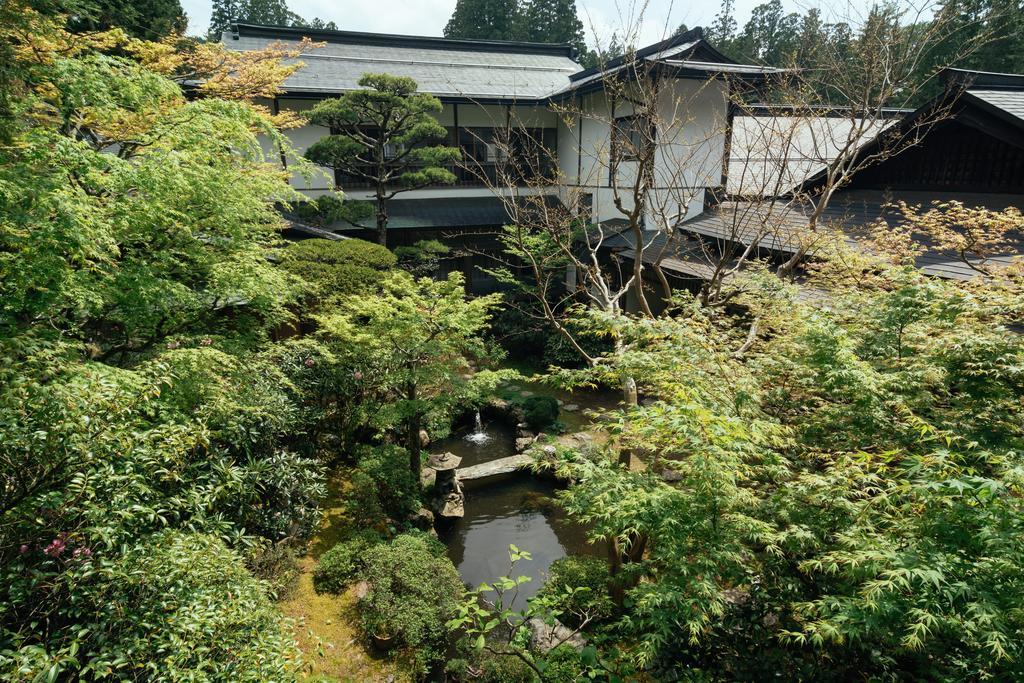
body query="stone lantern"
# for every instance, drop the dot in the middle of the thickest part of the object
(449, 500)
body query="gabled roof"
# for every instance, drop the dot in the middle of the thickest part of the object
(685, 55)
(479, 70)
(990, 102)
(448, 68)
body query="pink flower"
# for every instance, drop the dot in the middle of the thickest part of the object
(309, 362)
(23, 549)
(82, 553)
(56, 547)
(173, 345)
(205, 341)
(358, 375)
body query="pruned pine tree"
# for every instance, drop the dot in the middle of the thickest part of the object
(384, 135)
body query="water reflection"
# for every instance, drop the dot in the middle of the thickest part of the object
(519, 511)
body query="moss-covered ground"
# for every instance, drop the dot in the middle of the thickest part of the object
(327, 626)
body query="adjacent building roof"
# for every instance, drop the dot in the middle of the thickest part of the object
(782, 227)
(484, 70)
(1009, 101)
(772, 153)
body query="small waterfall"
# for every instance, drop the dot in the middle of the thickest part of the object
(478, 435)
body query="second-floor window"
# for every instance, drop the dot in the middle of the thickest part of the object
(629, 136)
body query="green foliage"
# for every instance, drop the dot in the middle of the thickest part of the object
(275, 563)
(146, 19)
(577, 586)
(329, 209)
(541, 412)
(124, 276)
(266, 12)
(484, 20)
(383, 134)
(146, 431)
(846, 490)
(382, 485)
(333, 269)
(194, 611)
(422, 259)
(552, 21)
(340, 565)
(413, 343)
(414, 592)
(280, 498)
(490, 625)
(498, 669)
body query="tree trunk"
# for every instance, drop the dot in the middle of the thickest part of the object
(615, 589)
(413, 434)
(382, 217)
(629, 398)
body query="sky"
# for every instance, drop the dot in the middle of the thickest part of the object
(428, 17)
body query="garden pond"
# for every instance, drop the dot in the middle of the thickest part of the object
(517, 509)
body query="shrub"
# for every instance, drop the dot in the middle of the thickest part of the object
(327, 210)
(560, 353)
(337, 268)
(540, 412)
(276, 564)
(422, 259)
(341, 564)
(414, 592)
(587, 578)
(382, 485)
(280, 496)
(178, 606)
(565, 665)
(505, 669)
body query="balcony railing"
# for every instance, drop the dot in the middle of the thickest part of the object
(479, 175)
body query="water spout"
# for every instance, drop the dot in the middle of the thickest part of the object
(478, 435)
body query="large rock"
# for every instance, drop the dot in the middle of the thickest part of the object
(360, 590)
(544, 637)
(453, 505)
(523, 443)
(428, 476)
(570, 407)
(423, 519)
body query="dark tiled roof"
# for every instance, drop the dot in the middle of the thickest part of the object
(444, 212)
(445, 68)
(1010, 102)
(297, 230)
(781, 227)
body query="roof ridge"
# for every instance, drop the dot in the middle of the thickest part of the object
(694, 34)
(238, 29)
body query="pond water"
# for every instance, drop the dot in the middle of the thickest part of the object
(482, 441)
(519, 510)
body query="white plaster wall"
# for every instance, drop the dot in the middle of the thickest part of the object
(691, 149)
(691, 135)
